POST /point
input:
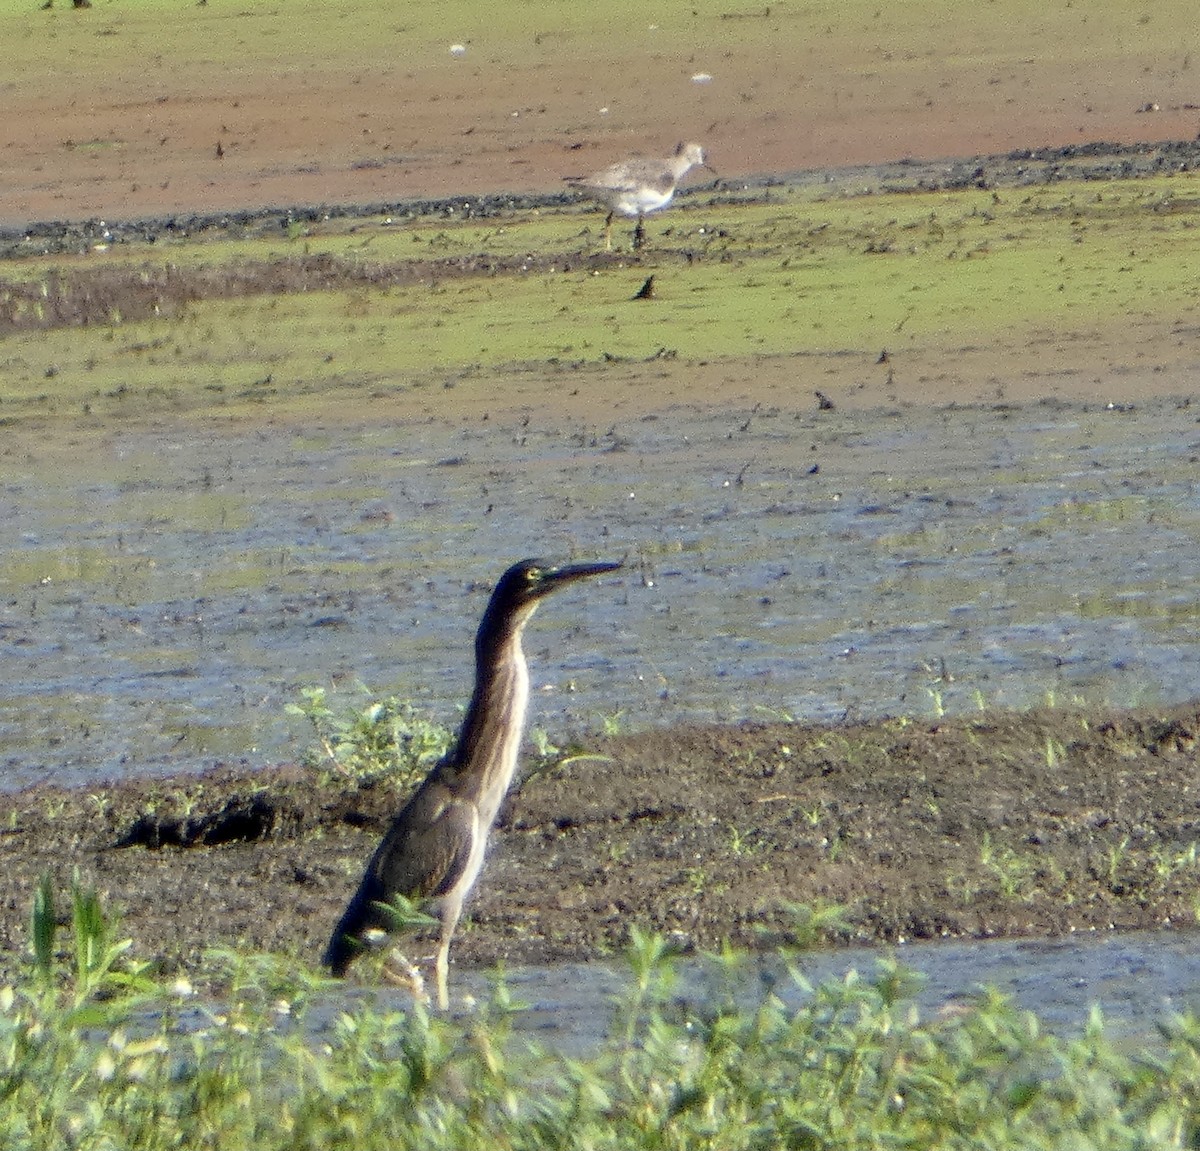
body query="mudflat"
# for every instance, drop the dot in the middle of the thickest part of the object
(1045, 823)
(1038, 823)
(136, 108)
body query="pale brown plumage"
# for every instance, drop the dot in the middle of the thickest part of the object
(637, 186)
(434, 849)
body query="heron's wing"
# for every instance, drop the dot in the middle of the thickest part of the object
(427, 848)
(423, 854)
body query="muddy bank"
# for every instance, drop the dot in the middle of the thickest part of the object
(1023, 167)
(188, 109)
(1002, 825)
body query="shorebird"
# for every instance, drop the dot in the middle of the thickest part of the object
(434, 849)
(638, 186)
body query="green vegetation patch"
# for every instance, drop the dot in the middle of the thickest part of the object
(384, 306)
(95, 1052)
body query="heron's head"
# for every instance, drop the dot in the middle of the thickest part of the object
(521, 588)
(530, 580)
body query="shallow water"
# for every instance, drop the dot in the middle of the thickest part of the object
(1136, 979)
(169, 588)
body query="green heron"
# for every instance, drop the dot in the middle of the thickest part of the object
(434, 849)
(635, 187)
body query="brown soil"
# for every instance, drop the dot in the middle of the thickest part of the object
(1036, 824)
(789, 92)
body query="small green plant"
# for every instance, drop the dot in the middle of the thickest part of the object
(815, 923)
(387, 738)
(401, 916)
(962, 887)
(1012, 870)
(741, 843)
(543, 747)
(405, 915)
(610, 723)
(654, 965)
(1167, 864)
(1116, 857)
(55, 807)
(43, 929)
(101, 803)
(98, 962)
(101, 961)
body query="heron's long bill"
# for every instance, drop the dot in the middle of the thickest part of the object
(556, 577)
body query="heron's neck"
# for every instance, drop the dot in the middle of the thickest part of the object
(494, 726)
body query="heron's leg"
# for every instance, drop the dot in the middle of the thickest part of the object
(608, 233)
(450, 914)
(443, 964)
(400, 971)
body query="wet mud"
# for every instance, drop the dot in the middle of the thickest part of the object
(179, 582)
(1045, 823)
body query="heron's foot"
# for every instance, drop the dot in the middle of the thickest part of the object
(400, 971)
